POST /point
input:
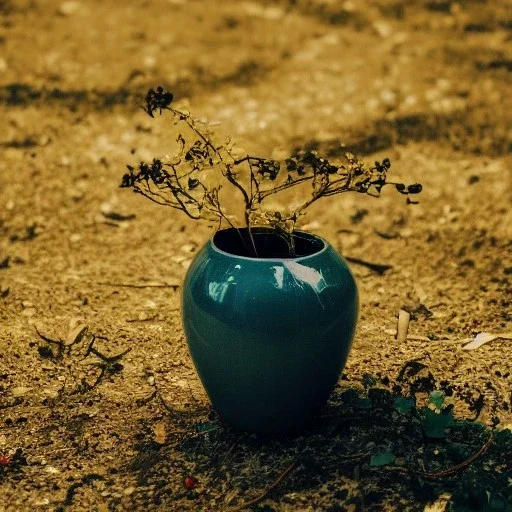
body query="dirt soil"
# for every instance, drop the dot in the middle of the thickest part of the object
(425, 83)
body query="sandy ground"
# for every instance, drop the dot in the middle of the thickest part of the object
(425, 83)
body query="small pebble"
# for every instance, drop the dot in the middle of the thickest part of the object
(65, 161)
(149, 61)
(106, 207)
(190, 247)
(50, 393)
(410, 100)
(69, 8)
(76, 194)
(20, 391)
(42, 503)
(178, 258)
(388, 97)
(261, 11)
(382, 28)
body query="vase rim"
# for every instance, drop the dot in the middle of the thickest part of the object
(271, 259)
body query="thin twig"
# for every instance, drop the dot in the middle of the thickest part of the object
(108, 364)
(376, 267)
(149, 285)
(352, 456)
(62, 347)
(103, 357)
(451, 470)
(48, 340)
(264, 495)
(229, 453)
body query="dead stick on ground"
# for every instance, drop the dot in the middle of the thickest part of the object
(264, 495)
(449, 471)
(150, 285)
(376, 267)
(453, 469)
(62, 346)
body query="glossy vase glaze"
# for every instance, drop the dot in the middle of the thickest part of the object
(269, 336)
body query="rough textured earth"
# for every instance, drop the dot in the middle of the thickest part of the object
(425, 83)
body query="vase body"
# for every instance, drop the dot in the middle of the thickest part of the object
(269, 337)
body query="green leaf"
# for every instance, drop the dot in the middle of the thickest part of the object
(364, 403)
(403, 405)
(383, 458)
(435, 423)
(436, 398)
(351, 397)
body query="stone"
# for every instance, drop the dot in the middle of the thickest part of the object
(69, 8)
(20, 391)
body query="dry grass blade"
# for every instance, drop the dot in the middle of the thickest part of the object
(264, 495)
(485, 337)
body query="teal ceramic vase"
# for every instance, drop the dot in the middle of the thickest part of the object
(269, 335)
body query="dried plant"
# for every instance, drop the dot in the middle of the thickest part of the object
(191, 180)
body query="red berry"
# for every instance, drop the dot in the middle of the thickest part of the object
(190, 482)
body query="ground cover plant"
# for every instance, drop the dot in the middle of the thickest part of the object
(387, 447)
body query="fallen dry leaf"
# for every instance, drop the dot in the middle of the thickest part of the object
(76, 334)
(160, 434)
(485, 337)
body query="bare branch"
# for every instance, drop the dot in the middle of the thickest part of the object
(183, 183)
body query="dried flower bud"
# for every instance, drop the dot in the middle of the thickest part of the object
(291, 164)
(415, 188)
(192, 183)
(157, 100)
